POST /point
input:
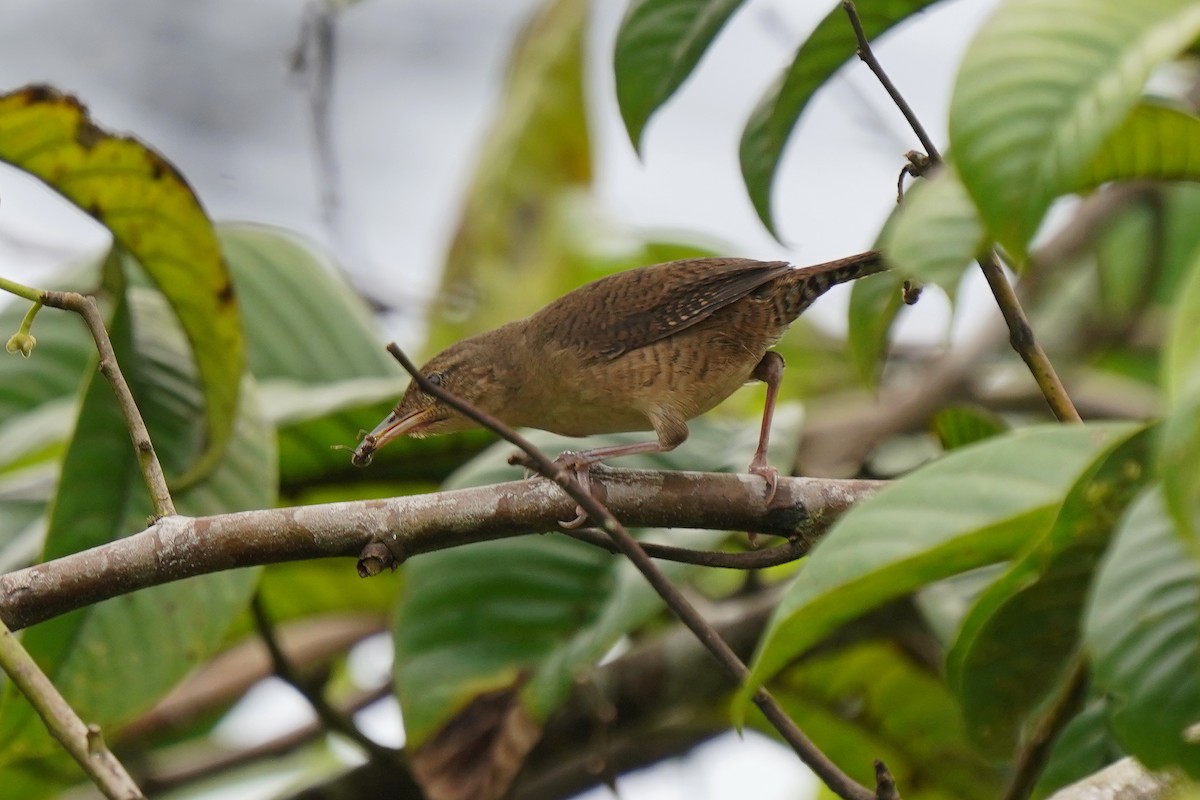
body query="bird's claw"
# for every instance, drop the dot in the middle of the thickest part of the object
(582, 472)
(581, 517)
(770, 475)
(568, 461)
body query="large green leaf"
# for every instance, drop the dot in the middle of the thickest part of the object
(658, 45)
(1155, 141)
(1180, 441)
(152, 212)
(935, 234)
(871, 701)
(37, 409)
(114, 659)
(1002, 666)
(303, 324)
(874, 303)
(1143, 631)
(318, 358)
(512, 249)
(536, 606)
(827, 48)
(1040, 89)
(976, 506)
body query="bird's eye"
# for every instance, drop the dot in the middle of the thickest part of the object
(435, 378)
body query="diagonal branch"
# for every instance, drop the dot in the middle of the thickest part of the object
(839, 782)
(85, 306)
(1020, 333)
(83, 742)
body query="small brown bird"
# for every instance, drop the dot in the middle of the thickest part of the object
(646, 349)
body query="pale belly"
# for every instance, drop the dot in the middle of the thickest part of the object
(619, 395)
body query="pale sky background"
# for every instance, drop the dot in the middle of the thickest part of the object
(207, 83)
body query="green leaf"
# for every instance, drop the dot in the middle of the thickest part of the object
(1143, 631)
(112, 660)
(1042, 87)
(1181, 361)
(976, 506)
(935, 234)
(303, 324)
(874, 303)
(511, 248)
(658, 45)
(1084, 746)
(961, 425)
(827, 48)
(871, 698)
(1155, 141)
(1179, 443)
(152, 213)
(472, 619)
(1001, 666)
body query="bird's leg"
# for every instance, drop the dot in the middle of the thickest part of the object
(672, 431)
(770, 372)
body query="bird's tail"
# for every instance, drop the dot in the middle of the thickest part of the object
(806, 284)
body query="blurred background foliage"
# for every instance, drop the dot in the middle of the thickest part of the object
(999, 587)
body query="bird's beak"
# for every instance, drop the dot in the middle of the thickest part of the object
(392, 427)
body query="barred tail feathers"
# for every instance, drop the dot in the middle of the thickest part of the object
(806, 284)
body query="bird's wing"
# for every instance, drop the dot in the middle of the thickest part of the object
(632, 309)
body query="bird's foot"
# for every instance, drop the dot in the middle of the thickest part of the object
(769, 474)
(578, 464)
(580, 468)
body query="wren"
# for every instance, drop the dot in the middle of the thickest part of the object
(641, 350)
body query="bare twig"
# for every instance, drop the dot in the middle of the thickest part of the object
(85, 306)
(1020, 336)
(1036, 752)
(839, 782)
(753, 559)
(314, 59)
(868, 57)
(329, 716)
(1020, 333)
(181, 547)
(83, 742)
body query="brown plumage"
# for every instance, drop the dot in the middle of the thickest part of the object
(646, 349)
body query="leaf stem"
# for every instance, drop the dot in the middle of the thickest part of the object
(1035, 753)
(839, 782)
(20, 290)
(1020, 333)
(152, 471)
(82, 741)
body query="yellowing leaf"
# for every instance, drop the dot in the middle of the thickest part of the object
(153, 213)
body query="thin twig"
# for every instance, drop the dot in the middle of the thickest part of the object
(83, 742)
(1020, 336)
(868, 57)
(85, 306)
(752, 559)
(839, 782)
(1020, 333)
(1032, 758)
(330, 717)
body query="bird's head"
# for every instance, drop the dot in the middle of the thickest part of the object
(468, 370)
